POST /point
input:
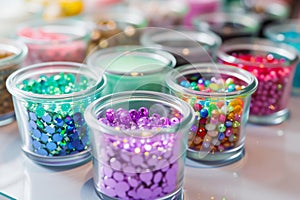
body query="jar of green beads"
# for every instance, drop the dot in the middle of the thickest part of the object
(49, 100)
(220, 96)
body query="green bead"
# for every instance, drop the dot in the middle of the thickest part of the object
(236, 124)
(40, 111)
(230, 108)
(221, 128)
(212, 107)
(65, 107)
(39, 124)
(213, 87)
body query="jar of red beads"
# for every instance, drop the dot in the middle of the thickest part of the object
(220, 96)
(139, 142)
(49, 100)
(274, 65)
(12, 55)
(58, 40)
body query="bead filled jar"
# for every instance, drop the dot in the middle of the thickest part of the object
(228, 25)
(139, 142)
(132, 67)
(58, 40)
(12, 55)
(274, 65)
(185, 45)
(220, 96)
(113, 27)
(49, 100)
(288, 33)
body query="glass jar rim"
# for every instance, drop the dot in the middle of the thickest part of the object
(78, 28)
(94, 108)
(206, 38)
(241, 74)
(244, 43)
(275, 31)
(246, 19)
(56, 67)
(119, 51)
(17, 47)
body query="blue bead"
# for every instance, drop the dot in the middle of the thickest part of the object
(203, 113)
(231, 88)
(85, 140)
(206, 83)
(32, 116)
(37, 133)
(77, 117)
(228, 123)
(51, 146)
(46, 118)
(59, 122)
(207, 103)
(44, 138)
(32, 124)
(42, 152)
(201, 81)
(57, 137)
(221, 136)
(50, 129)
(185, 84)
(36, 144)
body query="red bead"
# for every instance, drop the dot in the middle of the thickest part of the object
(201, 132)
(197, 106)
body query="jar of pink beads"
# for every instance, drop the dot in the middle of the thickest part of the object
(60, 40)
(274, 66)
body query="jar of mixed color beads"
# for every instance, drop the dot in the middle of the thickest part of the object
(115, 26)
(49, 100)
(61, 40)
(220, 96)
(139, 142)
(228, 25)
(12, 55)
(132, 67)
(274, 65)
(186, 46)
(288, 33)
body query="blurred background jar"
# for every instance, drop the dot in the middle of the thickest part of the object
(114, 26)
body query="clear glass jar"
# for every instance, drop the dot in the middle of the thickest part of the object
(115, 26)
(58, 40)
(274, 66)
(221, 115)
(288, 33)
(49, 100)
(228, 25)
(161, 13)
(132, 67)
(186, 46)
(140, 163)
(12, 55)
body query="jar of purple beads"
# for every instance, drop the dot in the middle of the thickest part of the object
(139, 142)
(220, 96)
(49, 101)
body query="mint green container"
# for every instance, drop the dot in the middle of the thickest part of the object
(132, 68)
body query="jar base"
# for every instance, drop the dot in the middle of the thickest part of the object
(276, 118)
(196, 158)
(7, 118)
(60, 161)
(178, 195)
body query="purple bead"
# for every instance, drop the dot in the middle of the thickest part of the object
(146, 177)
(104, 121)
(122, 187)
(146, 193)
(118, 176)
(133, 182)
(174, 121)
(131, 193)
(107, 171)
(109, 192)
(110, 182)
(115, 164)
(137, 160)
(156, 192)
(143, 112)
(165, 122)
(157, 177)
(143, 122)
(134, 115)
(124, 117)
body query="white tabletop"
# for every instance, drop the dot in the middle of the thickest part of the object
(270, 170)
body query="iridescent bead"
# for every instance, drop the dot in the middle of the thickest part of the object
(203, 112)
(164, 121)
(110, 114)
(143, 112)
(174, 121)
(124, 117)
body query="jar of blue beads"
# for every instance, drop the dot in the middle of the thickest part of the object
(49, 100)
(139, 142)
(288, 33)
(220, 96)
